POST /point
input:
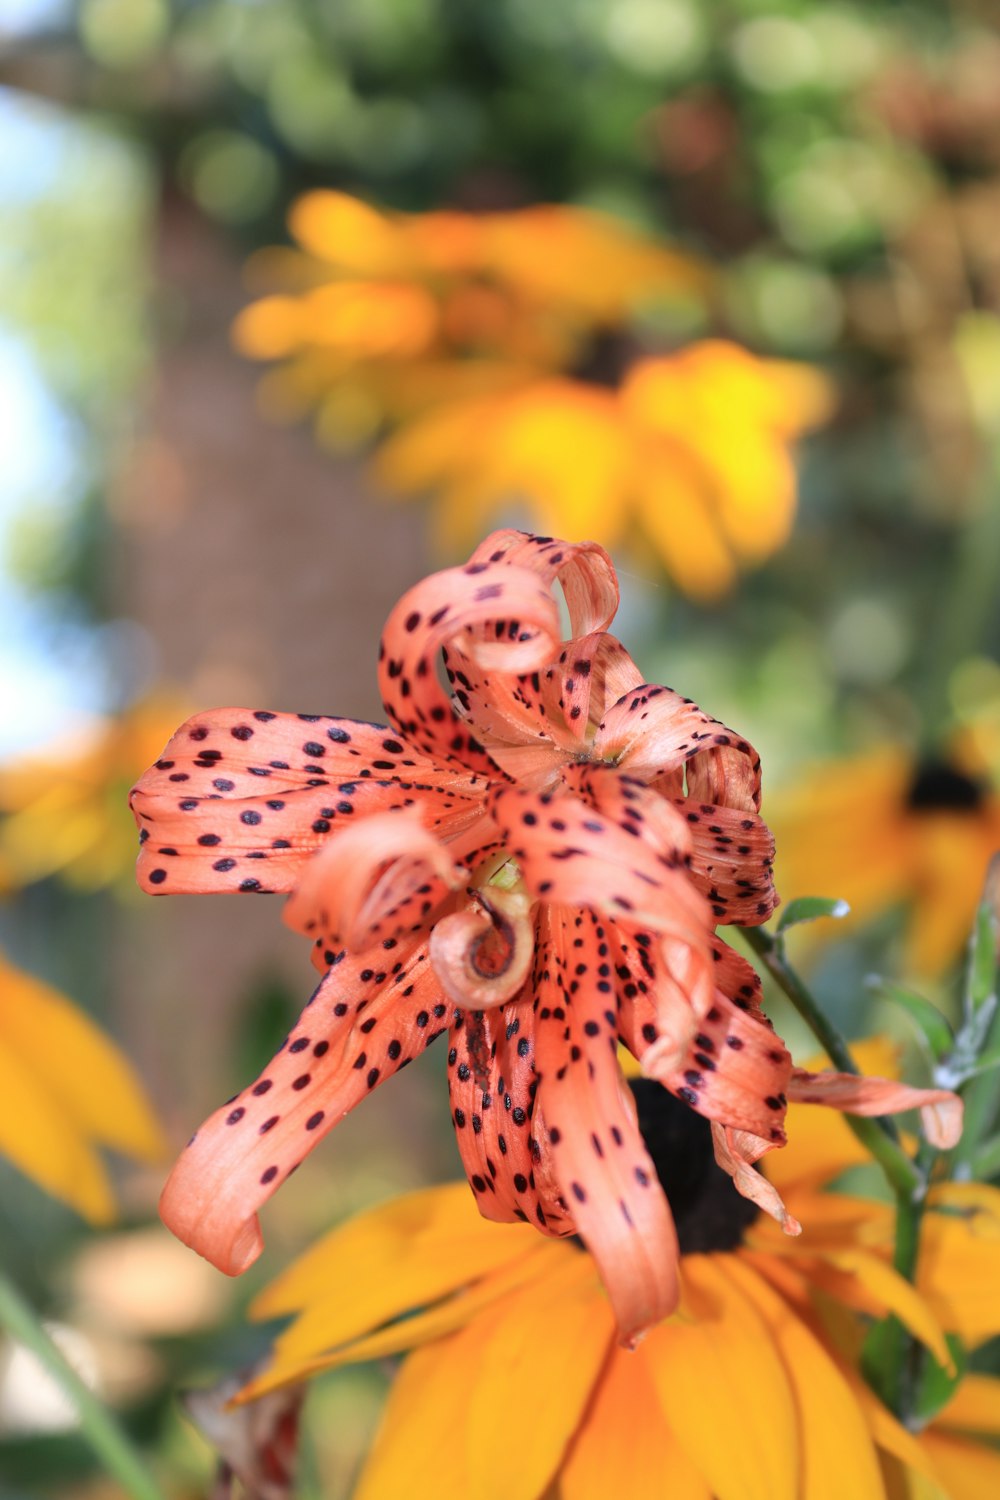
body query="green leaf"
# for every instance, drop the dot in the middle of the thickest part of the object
(986, 1162)
(880, 1354)
(934, 1027)
(889, 1350)
(935, 1387)
(810, 909)
(984, 943)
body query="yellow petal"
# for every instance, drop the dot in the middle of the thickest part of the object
(724, 1389)
(535, 1368)
(975, 1406)
(889, 1434)
(77, 1064)
(433, 448)
(441, 1319)
(863, 1281)
(957, 1270)
(953, 852)
(838, 1458)
(967, 1470)
(434, 1226)
(39, 1138)
(349, 234)
(977, 1202)
(820, 1146)
(676, 513)
(624, 1445)
(381, 1293)
(418, 1452)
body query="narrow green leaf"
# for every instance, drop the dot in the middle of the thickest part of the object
(884, 1345)
(986, 1162)
(934, 1028)
(810, 909)
(984, 943)
(889, 1356)
(935, 1387)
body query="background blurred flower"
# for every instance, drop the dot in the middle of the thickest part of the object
(518, 328)
(888, 827)
(530, 286)
(66, 1090)
(689, 455)
(65, 810)
(501, 1322)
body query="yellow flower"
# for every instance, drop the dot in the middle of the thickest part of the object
(527, 285)
(693, 448)
(515, 1387)
(887, 828)
(66, 1089)
(64, 810)
(498, 346)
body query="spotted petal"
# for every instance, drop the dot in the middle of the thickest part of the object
(732, 859)
(240, 799)
(584, 570)
(736, 1152)
(501, 617)
(380, 879)
(652, 730)
(598, 1155)
(361, 1026)
(505, 1150)
(940, 1109)
(571, 853)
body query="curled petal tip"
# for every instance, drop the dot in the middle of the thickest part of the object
(942, 1122)
(208, 1222)
(482, 955)
(940, 1109)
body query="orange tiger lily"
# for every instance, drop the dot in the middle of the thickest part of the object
(534, 862)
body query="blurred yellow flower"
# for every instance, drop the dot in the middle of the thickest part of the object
(64, 810)
(691, 448)
(66, 1089)
(743, 1394)
(527, 286)
(886, 828)
(499, 347)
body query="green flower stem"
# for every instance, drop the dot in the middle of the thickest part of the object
(981, 1097)
(903, 1358)
(98, 1426)
(982, 1100)
(879, 1137)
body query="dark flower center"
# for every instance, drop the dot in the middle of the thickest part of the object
(940, 787)
(708, 1211)
(606, 359)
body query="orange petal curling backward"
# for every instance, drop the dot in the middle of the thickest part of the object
(940, 1109)
(736, 1151)
(339, 1051)
(584, 571)
(482, 955)
(378, 879)
(453, 607)
(570, 853)
(651, 730)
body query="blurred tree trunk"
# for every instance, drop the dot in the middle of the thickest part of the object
(263, 572)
